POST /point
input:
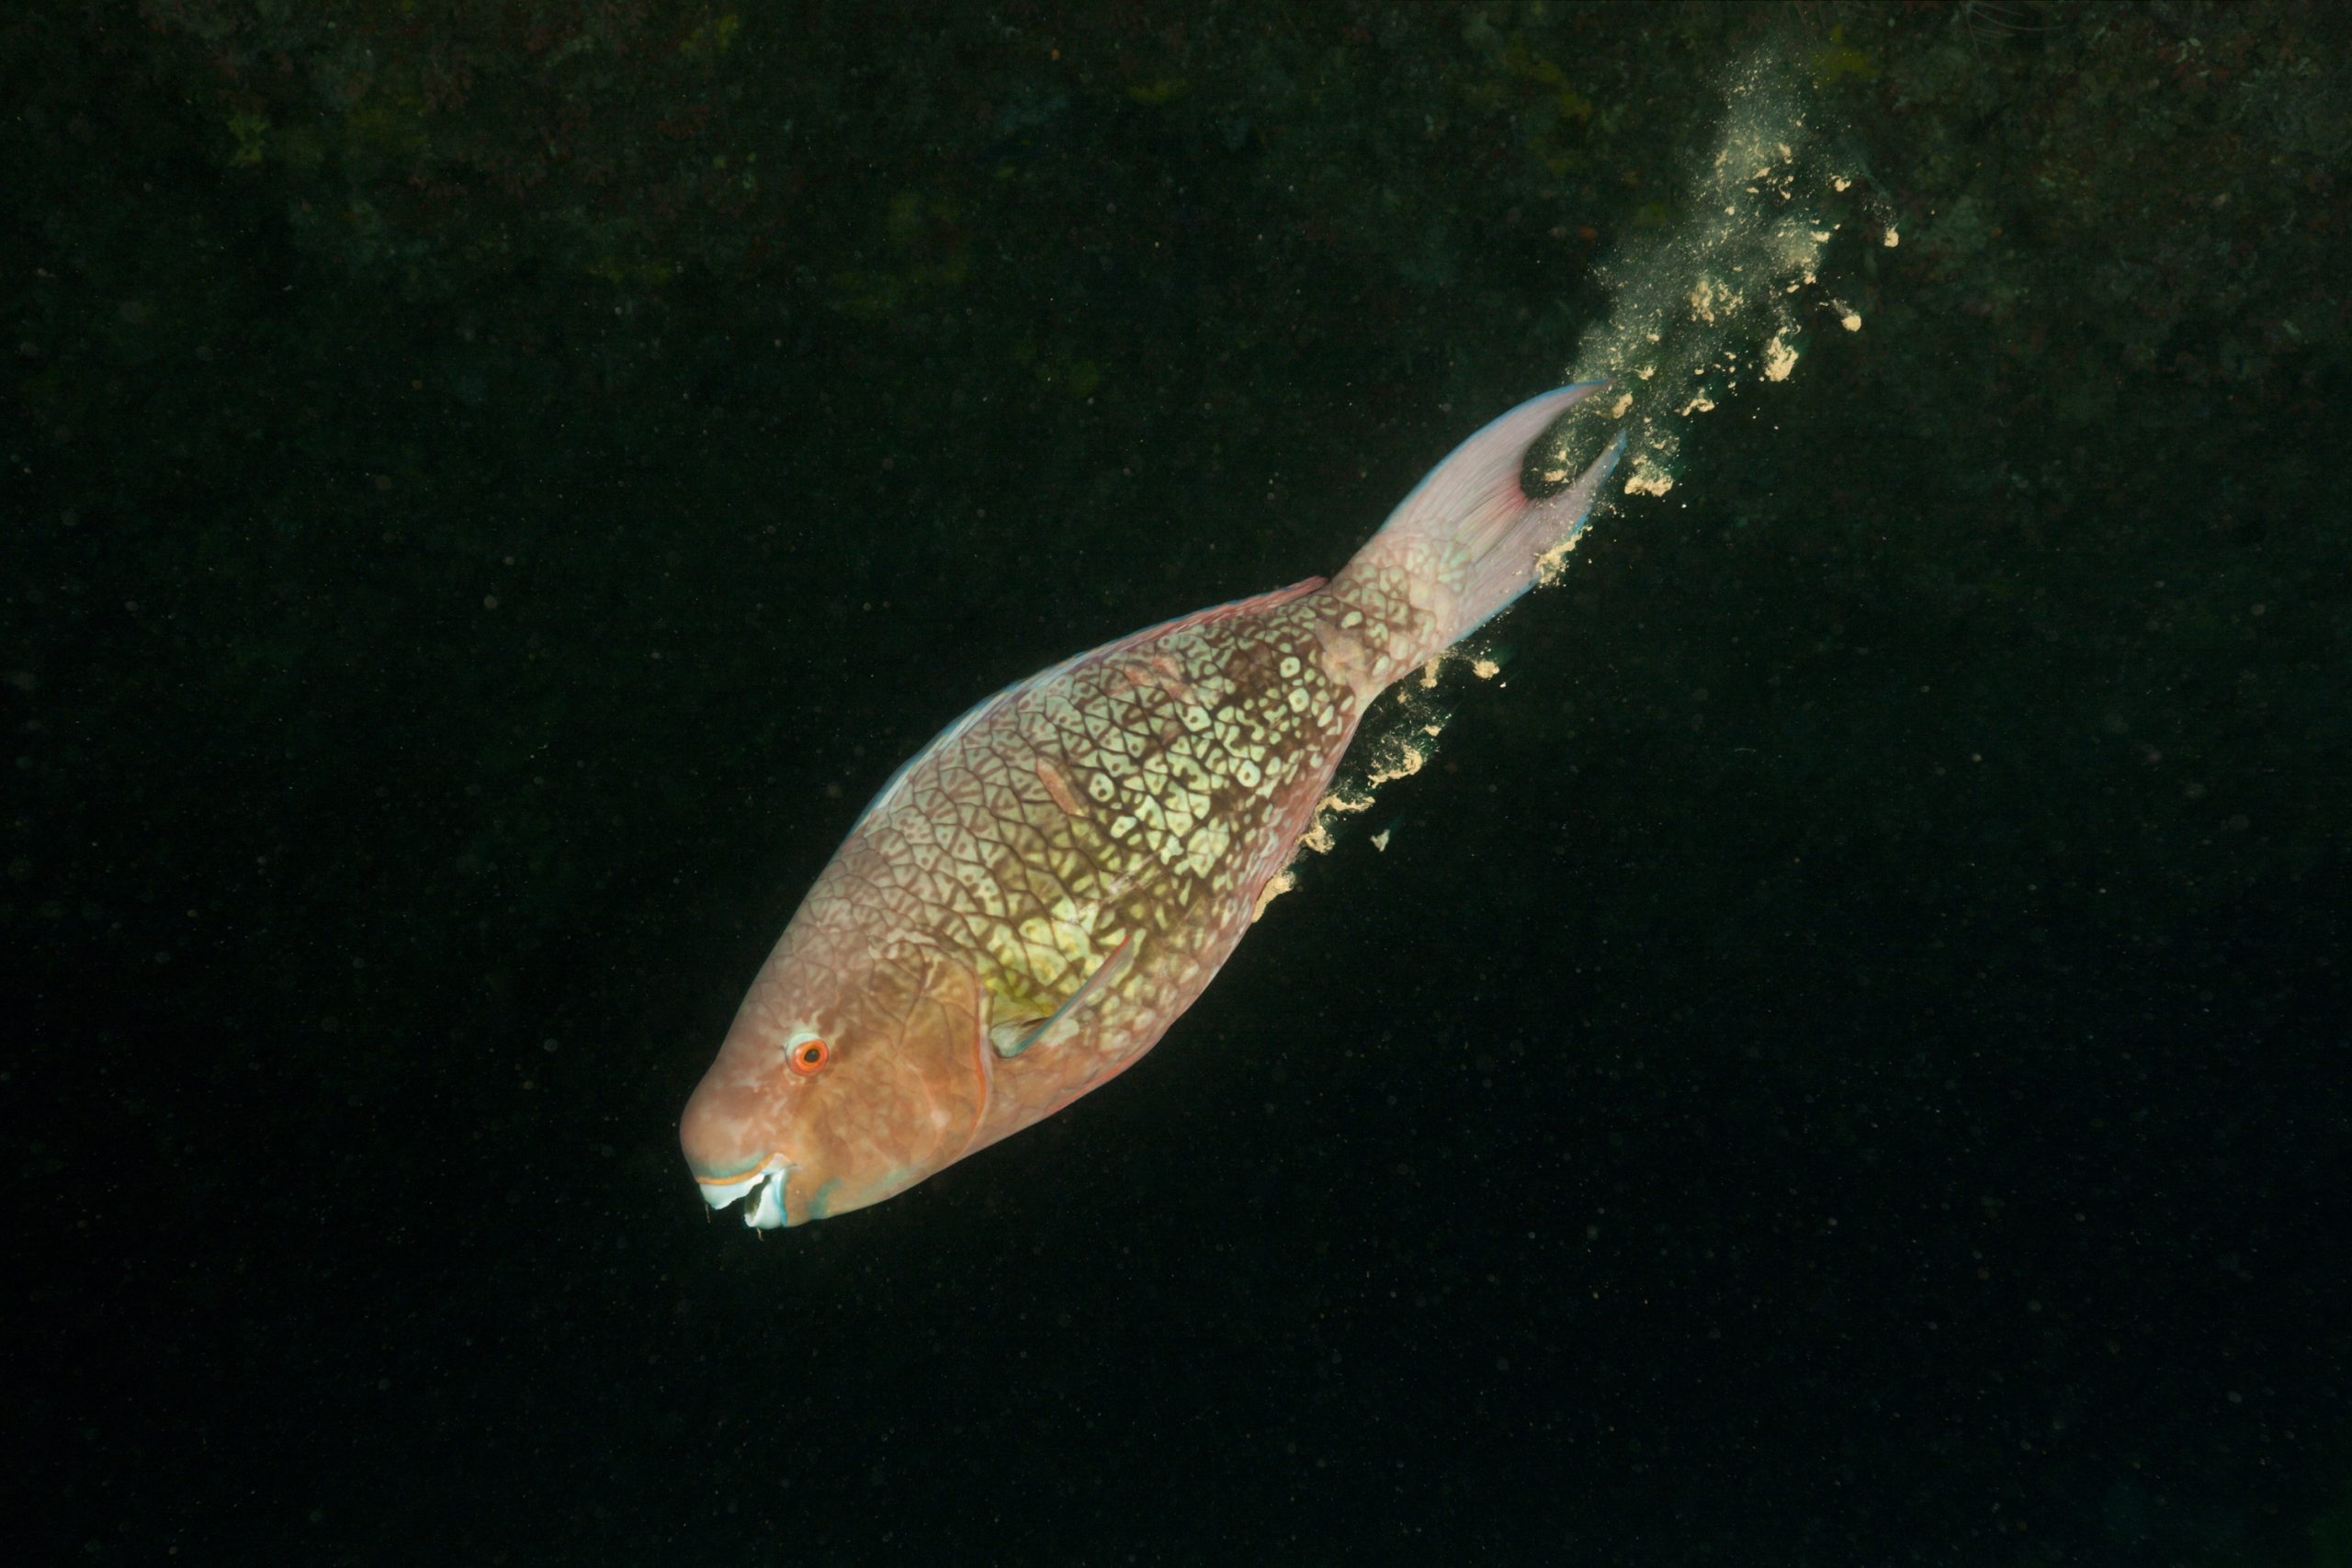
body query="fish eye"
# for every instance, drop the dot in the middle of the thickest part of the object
(807, 1055)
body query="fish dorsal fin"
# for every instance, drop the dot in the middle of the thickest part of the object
(987, 705)
(1227, 611)
(1016, 1035)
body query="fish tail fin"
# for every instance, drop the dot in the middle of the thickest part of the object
(1467, 542)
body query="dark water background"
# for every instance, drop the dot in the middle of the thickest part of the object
(1843, 1059)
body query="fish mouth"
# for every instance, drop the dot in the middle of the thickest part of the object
(764, 1188)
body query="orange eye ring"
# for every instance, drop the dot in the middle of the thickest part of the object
(808, 1056)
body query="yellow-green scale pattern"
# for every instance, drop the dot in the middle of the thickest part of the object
(1141, 796)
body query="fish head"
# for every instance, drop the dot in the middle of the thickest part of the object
(834, 1090)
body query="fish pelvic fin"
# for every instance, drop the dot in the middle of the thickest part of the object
(1468, 540)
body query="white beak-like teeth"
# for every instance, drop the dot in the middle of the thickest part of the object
(767, 1212)
(764, 1188)
(719, 1196)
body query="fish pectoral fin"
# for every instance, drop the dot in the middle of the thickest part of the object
(1013, 1036)
(1016, 1035)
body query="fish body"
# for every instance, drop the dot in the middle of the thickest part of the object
(1039, 894)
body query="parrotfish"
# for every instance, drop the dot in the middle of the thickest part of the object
(1025, 908)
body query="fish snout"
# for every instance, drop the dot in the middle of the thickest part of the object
(724, 1139)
